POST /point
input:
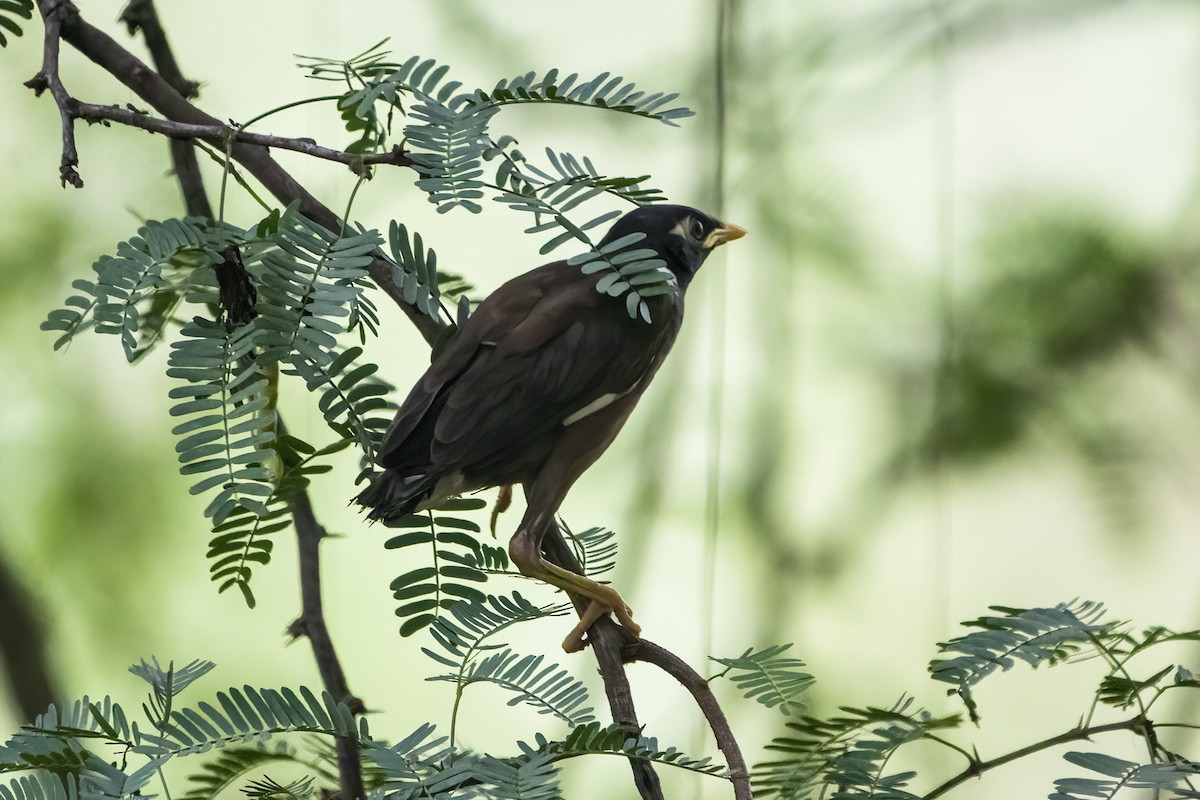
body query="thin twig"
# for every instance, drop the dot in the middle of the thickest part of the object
(677, 668)
(219, 134)
(976, 768)
(53, 12)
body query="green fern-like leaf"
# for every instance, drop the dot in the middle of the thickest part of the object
(1034, 636)
(41, 785)
(516, 173)
(230, 424)
(245, 715)
(845, 752)
(307, 277)
(418, 766)
(135, 293)
(232, 763)
(595, 549)
(465, 632)
(268, 788)
(768, 677)
(532, 778)
(602, 91)
(10, 9)
(453, 573)
(447, 146)
(595, 738)
(244, 538)
(417, 273)
(548, 688)
(1166, 778)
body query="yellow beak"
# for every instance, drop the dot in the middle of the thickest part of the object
(726, 233)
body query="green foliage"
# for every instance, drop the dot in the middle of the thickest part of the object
(136, 292)
(849, 752)
(458, 563)
(598, 739)
(463, 634)
(768, 677)
(228, 417)
(534, 778)
(448, 139)
(9, 9)
(1166, 778)
(416, 273)
(595, 549)
(1034, 636)
(243, 538)
(548, 688)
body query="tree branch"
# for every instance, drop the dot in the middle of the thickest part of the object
(142, 15)
(53, 13)
(976, 768)
(677, 668)
(98, 46)
(311, 624)
(608, 641)
(220, 134)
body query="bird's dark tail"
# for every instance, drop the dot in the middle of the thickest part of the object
(392, 495)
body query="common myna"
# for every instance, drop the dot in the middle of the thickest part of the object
(535, 386)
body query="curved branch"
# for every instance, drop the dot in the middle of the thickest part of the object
(677, 668)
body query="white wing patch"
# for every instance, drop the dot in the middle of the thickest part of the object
(603, 401)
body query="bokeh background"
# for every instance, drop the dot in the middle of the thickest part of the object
(953, 365)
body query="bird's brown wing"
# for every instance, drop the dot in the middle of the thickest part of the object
(542, 347)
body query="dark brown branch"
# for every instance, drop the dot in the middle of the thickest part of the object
(141, 15)
(220, 134)
(160, 95)
(608, 641)
(691, 680)
(237, 300)
(311, 624)
(53, 13)
(976, 768)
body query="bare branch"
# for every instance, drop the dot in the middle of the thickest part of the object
(677, 668)
(311, 624)
(220, 134)
(53, 13)
(142, 15)
(977, 767)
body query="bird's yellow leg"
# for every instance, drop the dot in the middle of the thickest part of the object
(605, 599)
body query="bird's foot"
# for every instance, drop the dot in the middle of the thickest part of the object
(595, 610)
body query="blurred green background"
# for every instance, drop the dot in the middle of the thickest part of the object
(954, 364)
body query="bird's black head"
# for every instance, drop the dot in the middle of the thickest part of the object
(682, 236)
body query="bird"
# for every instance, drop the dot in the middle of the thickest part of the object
(534, 387)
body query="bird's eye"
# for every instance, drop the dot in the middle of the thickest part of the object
(696, 229)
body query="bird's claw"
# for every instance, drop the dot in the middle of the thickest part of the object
(575, 640)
